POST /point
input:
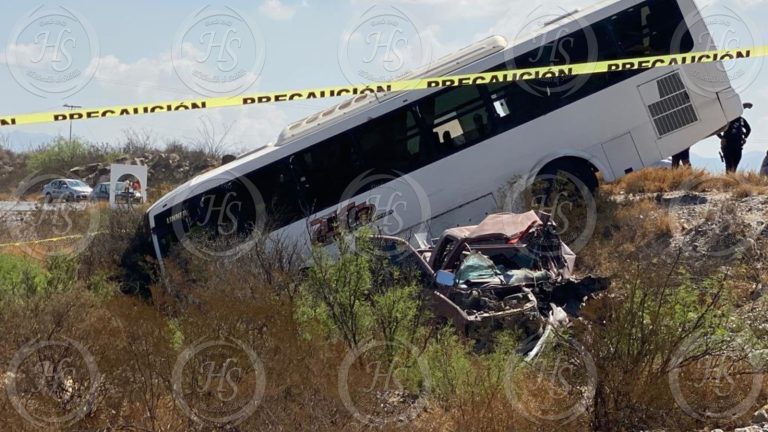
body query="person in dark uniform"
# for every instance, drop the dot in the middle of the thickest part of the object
(732, 141)
(684, 158)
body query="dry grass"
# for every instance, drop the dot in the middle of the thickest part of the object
(748, 190)
(653, 180)
(136, 343)
(158, 191)
(627, 232)
(7, 196)
(661, 180)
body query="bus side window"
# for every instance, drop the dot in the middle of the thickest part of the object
(392, 142)
(278, 189)
(456, 117)
(650, 29)
(328, 168)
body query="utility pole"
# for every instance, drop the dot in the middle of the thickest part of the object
(71, 108)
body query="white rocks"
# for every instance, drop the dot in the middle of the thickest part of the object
(752, 428)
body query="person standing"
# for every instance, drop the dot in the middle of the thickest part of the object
(732, 141)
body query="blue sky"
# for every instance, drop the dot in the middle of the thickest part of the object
(297, 44)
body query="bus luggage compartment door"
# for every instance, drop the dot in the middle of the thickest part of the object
(622, 155)
(731, 104)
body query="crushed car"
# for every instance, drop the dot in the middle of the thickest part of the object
(511, 271)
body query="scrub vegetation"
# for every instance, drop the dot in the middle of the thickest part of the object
(637, 351)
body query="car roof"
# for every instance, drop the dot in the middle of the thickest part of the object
(505, 225)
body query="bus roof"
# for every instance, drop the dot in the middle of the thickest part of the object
(440, 67)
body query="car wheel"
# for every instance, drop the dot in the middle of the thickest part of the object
(48, 198)
(69, 198)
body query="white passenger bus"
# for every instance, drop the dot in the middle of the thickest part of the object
(431, 159)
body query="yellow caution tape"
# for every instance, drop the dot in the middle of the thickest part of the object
(395, 86)
(49, 240)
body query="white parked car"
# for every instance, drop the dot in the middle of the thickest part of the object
(66, 190)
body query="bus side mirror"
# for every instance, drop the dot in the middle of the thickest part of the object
(445, 278)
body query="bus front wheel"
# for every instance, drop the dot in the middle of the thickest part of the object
(569, 176)
(573, 170)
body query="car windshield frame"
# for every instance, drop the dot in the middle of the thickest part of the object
(76, 183)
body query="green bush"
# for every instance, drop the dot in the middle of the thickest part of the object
(62, 273)
(653, 326)
(23, 278)
(20, 278)
(352, 299)
(101, 286)
(456, 371)
(336, 290)
(60, 156)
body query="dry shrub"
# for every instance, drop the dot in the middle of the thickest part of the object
(138, 372)
(253, 300)
(233, 302)
(499, 391)
(661, 180)
(136, 346)
(160, 190)
(54, 379)
(653, 180)
(62, 220)
(750, 275)
(651, 340)
(481, 408)
(751, 178)
(748, 190)
(626, 232)
(117, 230)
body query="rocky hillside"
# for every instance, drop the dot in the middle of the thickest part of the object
(89, 162)
(11, 165)
(163, 168)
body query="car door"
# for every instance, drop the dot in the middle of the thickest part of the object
(443, 251)
(404, 257)
(56, 189)
(63, 189)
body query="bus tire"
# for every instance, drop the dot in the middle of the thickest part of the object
(577, 168)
